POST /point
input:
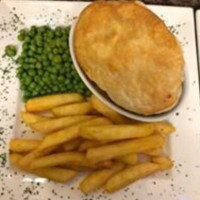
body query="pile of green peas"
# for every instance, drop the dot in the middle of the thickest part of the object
(45, 64)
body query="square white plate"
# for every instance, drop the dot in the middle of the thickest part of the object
(180, 183)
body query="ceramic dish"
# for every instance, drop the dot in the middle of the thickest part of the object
(104, 97)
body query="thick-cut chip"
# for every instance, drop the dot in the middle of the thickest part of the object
(70, 133)
(130, 159)
(59, 123)
(56, 174)
(116, 132)
(130, 175)
(58, 159)
(98, 178)
(73, 109)
(30, 118)
(23, 145)
(163, 128)
(51, 101)
(164, 162)
(110, 151)
(15, 158)
(154, 152)
(86, 164)
(52, 173)
(106, 111)
(72, 145)
(88, 144)
(27, 159)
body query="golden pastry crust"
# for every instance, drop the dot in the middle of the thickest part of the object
(131, 55)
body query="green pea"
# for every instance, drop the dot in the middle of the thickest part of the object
(67, 65)
(35, 93)
(10, 50)
(41, 83)
(54, 71)
(55, 89)
(58, 42)
(50, 34)
(38, 65)
(27, 39)
(57, 59)
(27, 80)
(53, 77)
(50, 56)
(21, 37)
(39, 43)
(32, 60)
(61, 78)
(37, 79)
(64, 57)
(22, 32)
(55, 51)
(33, 28)
(39, 50)
(67, 81)
(30, 53)
(44, 57)
(42, 92)
(20, 60)
(32, 85)
(40, 72)
(32, 72)
(33, 48)
(58, 66)
(41, 29)
(62, 70)
(49, 90)
(25, 46)
(46, 63)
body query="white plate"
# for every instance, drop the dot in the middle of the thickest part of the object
(180, 183)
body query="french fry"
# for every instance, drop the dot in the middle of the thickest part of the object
(72, 145)
(110, 151)
(56, 174)
(23, 145)
(30, 118)
(58, 159)
(15, 158)
(27, 159)
(130, 175)
(130, 159)
(164, 162)
(116, 132)
(51, 101)
(59, 123)
(87, 144)
(163, 128)
(98, 178)
(53, 173)
(73, 166)
(106, 111)
(86, 164)
(70, 133)
(73, 109)
(104, 164)
(154, 152)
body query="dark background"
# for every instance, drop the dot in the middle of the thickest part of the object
(194, 3)
(191, 3)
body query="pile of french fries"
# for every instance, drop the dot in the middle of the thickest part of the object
(87, 135)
